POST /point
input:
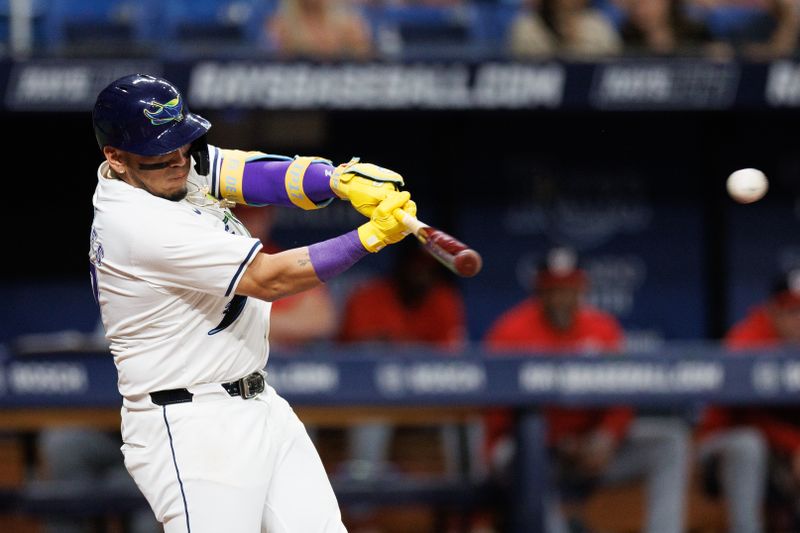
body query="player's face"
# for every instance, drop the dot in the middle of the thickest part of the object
(560, 305)
(163, 175)
(787, 321)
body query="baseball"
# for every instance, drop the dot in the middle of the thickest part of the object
(747, 185)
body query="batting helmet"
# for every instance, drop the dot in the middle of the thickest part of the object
(148, 116)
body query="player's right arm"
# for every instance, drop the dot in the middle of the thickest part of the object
(270, 277)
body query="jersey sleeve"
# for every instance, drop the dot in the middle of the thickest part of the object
(181, 252)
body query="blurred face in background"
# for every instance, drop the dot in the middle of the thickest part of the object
(649, 14)
(571, 5)
(560, 305)
(313, 5)
(786, 319)
(563, 7)
(415, 274)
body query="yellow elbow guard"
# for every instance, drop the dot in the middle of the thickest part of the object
(293, 181)
(232, 173)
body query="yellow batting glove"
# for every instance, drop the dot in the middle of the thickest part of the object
(364, 184)
(409, 207)
(383, 227)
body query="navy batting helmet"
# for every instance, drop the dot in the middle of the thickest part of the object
(148, 116)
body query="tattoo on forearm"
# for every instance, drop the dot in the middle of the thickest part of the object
(303, 261)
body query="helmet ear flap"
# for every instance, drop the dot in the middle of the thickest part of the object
(198, 150)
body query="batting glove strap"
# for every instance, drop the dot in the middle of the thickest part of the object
(364, 184)
(347, 172)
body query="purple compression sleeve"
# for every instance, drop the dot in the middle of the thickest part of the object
(334, 256)
(263, 183)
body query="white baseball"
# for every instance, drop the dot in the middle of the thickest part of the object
(747, 185)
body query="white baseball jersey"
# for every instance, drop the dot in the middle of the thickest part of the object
(165, 275)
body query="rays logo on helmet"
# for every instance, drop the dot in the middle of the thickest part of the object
(172, 110)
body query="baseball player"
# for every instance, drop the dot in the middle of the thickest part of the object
(185, 299)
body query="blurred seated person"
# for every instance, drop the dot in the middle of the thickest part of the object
(298, 320)
(86, 454)
(319, 29)
(416, 304)
(772, 325)
(663, 27)
(759, 29)
(588, 446)
(546, 28)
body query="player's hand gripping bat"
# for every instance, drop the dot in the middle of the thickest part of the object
(452, 253)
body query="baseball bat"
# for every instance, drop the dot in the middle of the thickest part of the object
(452, 253)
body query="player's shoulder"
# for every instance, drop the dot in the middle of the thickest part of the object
(446, 293)
(137, 214)
(521, 312)
(599, 319)
(754, 329)
(595, 314)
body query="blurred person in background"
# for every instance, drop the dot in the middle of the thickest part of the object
(772, 325)
(663, 27)
(419, 307)
(88, 455)
(591, 446)
(759, 29)
(733, 460)
(319, 29)
(298, 320)
(422, 305)
(546, 28)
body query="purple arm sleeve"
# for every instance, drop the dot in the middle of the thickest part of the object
(334, 256)
(263, 183)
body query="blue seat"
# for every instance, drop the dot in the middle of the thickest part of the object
(612, 11)
(209, 25)
(493, 22)
(5, 30)
(739, 23)
(118, 27)
(426, 30)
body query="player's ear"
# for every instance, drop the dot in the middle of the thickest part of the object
(115, 159)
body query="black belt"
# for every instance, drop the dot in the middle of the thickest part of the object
(247, 387)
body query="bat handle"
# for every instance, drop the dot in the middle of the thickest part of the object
(412, 223)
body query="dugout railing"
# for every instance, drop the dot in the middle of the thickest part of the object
(68, 388)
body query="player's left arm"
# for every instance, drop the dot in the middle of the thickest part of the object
(256, 178)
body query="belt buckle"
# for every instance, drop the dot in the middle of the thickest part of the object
(251, 385)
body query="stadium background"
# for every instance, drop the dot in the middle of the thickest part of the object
(624, 159)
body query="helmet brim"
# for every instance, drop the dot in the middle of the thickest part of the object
(179, 134)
